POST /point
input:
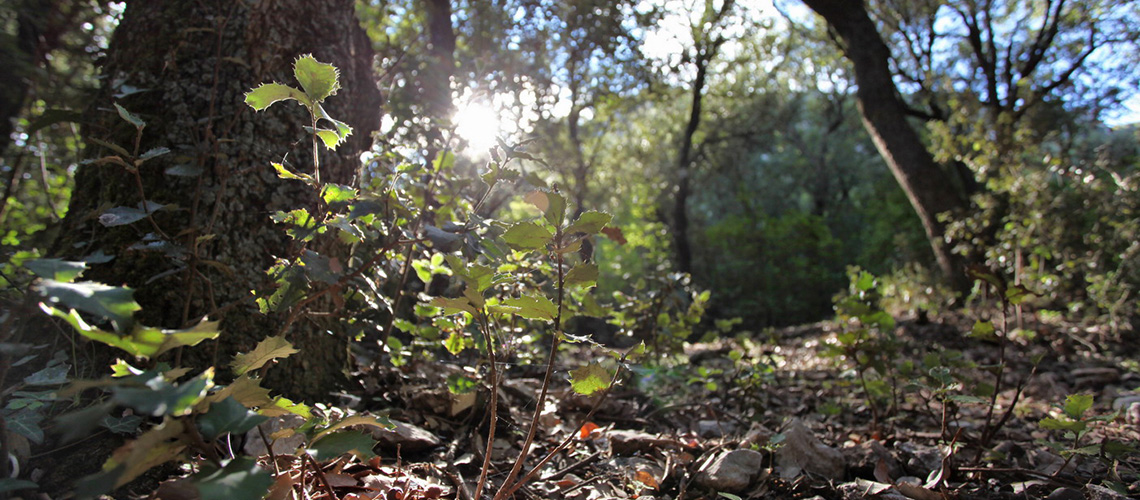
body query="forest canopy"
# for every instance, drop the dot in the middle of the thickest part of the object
(226, 212)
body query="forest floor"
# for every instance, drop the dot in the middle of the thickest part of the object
(767, 417)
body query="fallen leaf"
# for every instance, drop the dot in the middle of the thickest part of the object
(586, 429)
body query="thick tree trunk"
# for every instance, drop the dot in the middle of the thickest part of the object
(191, 62)
(928, 187)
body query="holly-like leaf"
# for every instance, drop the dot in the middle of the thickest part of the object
(533, 307)
(154, 447)
(228, 416)
(589, 379)
(157, 397)
(527, 236)
(334, 445)
(368, 420)
(114, 303)
(585, 274)
(268, 93)
(268, 349)
(284, 173)
(319, 80)
(455, 343)
(240, 479)
(130, 117)
(456, 305)
(590, 223)
(56, 269)
(1077, 404)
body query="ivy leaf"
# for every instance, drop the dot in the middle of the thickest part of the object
(337, 444)
(268, 93)
(319, 80)
(527, 236)
(127, 424)
(228, 417)
(56, 269)
(26, 423)
(114, 303)
(240, 479)
(533, 307)
(590, 223)
(268, 349)
(589, 379)
(583, 274)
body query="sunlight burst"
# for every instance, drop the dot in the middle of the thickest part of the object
(478, 124)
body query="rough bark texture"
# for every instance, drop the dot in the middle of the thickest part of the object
(928, 187)
(194, 60)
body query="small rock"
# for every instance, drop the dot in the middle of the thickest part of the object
(282, 444)
(1098, 492)
(624, 442)
(731, 471)
(864, 457)
(715, 428)
(758, 435)
(802, 451)
(405, 436)
(1066, 494)
(923, 458)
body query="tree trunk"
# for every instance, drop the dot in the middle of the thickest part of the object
(192, 62)
(685, 168)
(19, 56)
(927, 186)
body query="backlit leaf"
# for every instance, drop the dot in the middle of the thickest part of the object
(114, 303)
(319, 80)
(589, 379)
(533, 307)
(268, 349)
(590, 223)
(268, 93)
(1077, 404)
(585, 274)
(527, 236)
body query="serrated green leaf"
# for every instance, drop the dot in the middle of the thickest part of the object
(456, 305)
(228, 417)
(184, 171)
(1077, 404)
(589, 379)
(455, 343)
(533, 307)
(1065, 425)
(527, 236)
(551, 204)
(268, 349)
(590, 223)
(378, 422)
(319, 80)
(116, 304)
(337, 193)
(337, 444)
(130, 117)
(983, 330)
(56, 269)
(585, 274)
(284, 173)
(268, 93)
(240, 479)
(158, 397)
(329, 138)
(459, 384)
(153, 153)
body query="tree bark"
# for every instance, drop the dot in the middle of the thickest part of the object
(927, 186)
(193, 61)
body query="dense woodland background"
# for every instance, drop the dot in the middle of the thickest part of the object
(529, 185)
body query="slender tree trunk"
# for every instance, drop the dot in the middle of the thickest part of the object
(439, 70)
(927, 186)
(191, 62)
(685, 170)
(19, 56)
